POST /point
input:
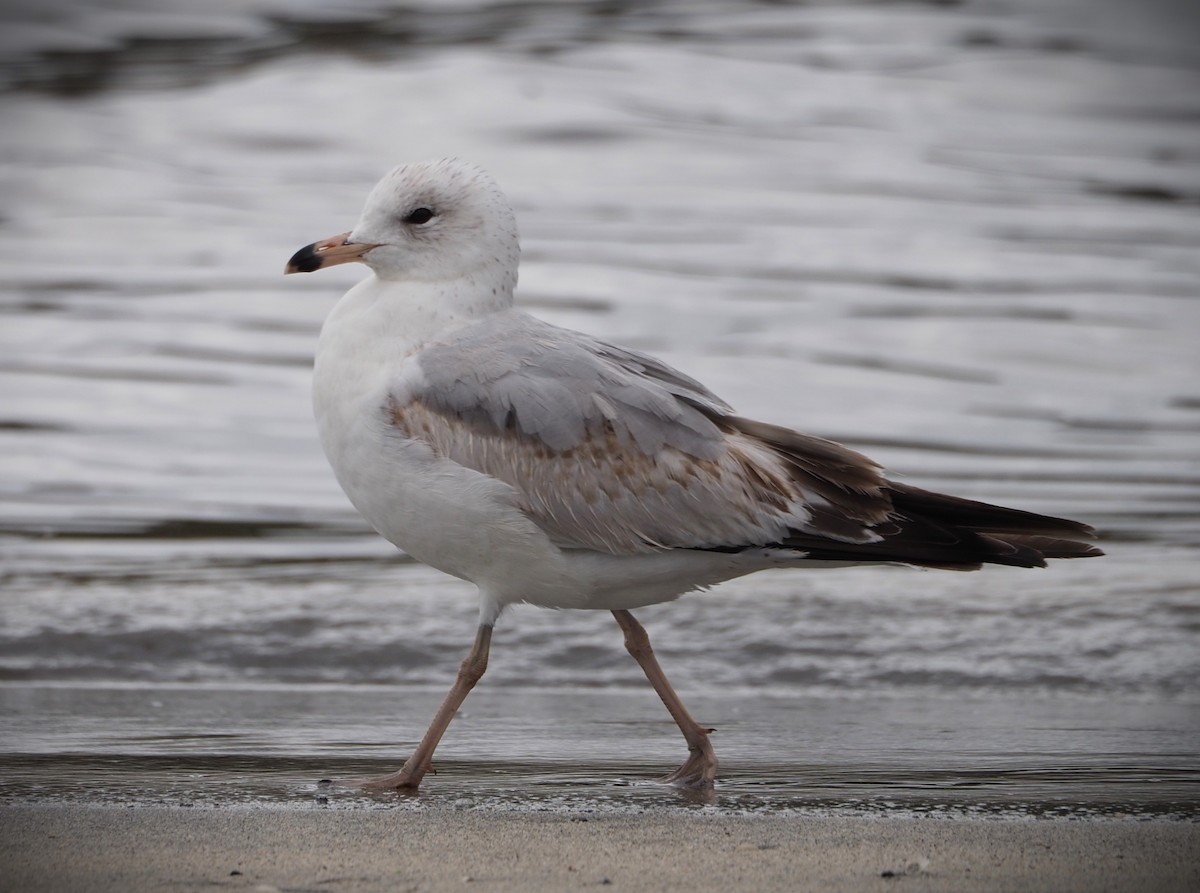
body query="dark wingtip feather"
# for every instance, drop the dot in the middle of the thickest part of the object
(948, 533)
(993, 534)
(1054, 547)
(849, 497)
(985, 517)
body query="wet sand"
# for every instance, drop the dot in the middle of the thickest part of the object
(62, 847)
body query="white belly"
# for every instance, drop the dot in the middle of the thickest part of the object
(447, 516)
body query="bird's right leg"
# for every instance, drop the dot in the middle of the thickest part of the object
(408, 777)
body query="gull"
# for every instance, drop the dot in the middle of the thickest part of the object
(551, 468)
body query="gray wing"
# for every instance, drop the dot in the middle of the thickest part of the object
(516, 373)
(613, 450)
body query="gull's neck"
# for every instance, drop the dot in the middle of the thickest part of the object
(372, 332)
(409, 314)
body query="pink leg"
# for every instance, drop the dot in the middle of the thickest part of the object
(409, 776)
(701, 766)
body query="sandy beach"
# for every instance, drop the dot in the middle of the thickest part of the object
(72, 847)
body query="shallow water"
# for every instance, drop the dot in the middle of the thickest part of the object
(962, 238)
(537, 749)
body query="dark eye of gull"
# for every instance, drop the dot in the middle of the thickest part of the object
(419, 216)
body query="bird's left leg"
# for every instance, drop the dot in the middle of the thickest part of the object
(700, 768)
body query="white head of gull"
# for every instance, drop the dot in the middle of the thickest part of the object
(552, 468)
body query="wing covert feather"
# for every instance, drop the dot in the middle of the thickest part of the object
(612, 450)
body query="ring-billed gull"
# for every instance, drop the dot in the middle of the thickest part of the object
(552, 468)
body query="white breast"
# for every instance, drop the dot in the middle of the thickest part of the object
(441, 513)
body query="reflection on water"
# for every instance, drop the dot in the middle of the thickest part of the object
(962, 238)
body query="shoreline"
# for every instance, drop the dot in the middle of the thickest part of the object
(61, 847)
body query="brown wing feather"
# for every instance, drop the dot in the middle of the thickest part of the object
(611, 496)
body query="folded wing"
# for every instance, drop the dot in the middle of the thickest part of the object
(612, 450)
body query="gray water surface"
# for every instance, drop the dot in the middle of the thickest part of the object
(963, 238)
